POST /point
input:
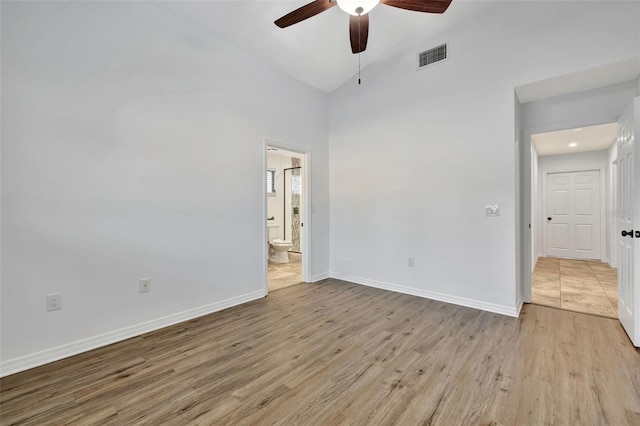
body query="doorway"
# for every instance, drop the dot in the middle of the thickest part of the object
(571, 191)
(287, 240)
(541, 107)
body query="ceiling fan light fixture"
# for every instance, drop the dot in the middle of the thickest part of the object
(352, 7)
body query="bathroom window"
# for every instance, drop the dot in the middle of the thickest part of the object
(271, 182)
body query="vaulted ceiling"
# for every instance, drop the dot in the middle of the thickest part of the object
(316, 51)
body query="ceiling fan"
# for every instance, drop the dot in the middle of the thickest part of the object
(359, 14)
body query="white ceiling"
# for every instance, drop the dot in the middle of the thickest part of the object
(592, 138)
(316, 51)
(283, 152)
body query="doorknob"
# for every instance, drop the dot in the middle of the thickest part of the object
(549, 218)
(627, 233)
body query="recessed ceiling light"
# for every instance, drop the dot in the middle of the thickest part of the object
(578, 129)
(573, 144)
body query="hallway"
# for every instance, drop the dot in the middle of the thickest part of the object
(587, 286)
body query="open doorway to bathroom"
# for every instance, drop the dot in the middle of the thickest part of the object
(285, 206)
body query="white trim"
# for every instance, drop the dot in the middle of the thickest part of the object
(320, 277)
(447, 298)
(519, 305)
(46, 356)
(273, 179)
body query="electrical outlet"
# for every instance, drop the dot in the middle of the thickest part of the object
(492, 210)
(54, 302)
(145, 285)
(410, 261)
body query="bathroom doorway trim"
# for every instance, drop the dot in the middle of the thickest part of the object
(306, 207)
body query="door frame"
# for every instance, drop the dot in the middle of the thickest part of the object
(306, 208)
(528, 216)
(545, 175)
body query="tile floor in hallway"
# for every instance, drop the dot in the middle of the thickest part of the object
(281, 275)
(587, 286)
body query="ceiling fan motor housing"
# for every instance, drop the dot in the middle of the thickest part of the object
(359, 14)
(357, 7)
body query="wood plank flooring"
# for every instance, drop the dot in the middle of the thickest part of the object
(337, 353)
(587, 286)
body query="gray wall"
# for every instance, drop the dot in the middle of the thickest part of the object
(596, 106)
(133, 146)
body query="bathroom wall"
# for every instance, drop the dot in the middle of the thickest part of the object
(293, 213)
(275, 203)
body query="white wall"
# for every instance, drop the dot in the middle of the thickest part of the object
(592, 160)
(416, 155)
(535, 204)
(132, 147)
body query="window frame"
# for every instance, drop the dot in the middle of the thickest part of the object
(271, 190)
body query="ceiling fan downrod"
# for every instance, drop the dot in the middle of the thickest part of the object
(359, 11)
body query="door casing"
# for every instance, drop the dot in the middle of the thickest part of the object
(306, 208)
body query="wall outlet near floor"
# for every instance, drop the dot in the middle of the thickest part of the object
(54, 302)
(410, 261)
(145, 285)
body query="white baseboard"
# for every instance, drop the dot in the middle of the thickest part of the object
(320, 277)
(462, 301)
(46, 356)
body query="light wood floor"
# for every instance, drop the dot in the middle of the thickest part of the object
(281, 275)
(339, 353)
(587, 286)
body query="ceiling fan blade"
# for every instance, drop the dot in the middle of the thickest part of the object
(304, 12)
(359, 32)
(429, 6)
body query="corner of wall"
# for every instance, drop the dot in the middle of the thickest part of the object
(426, 294)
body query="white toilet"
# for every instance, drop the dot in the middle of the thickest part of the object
(278, 250)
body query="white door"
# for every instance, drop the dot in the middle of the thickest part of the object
(573, 215)
(628, 229)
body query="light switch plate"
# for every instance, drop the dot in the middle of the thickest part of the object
(492, 210)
